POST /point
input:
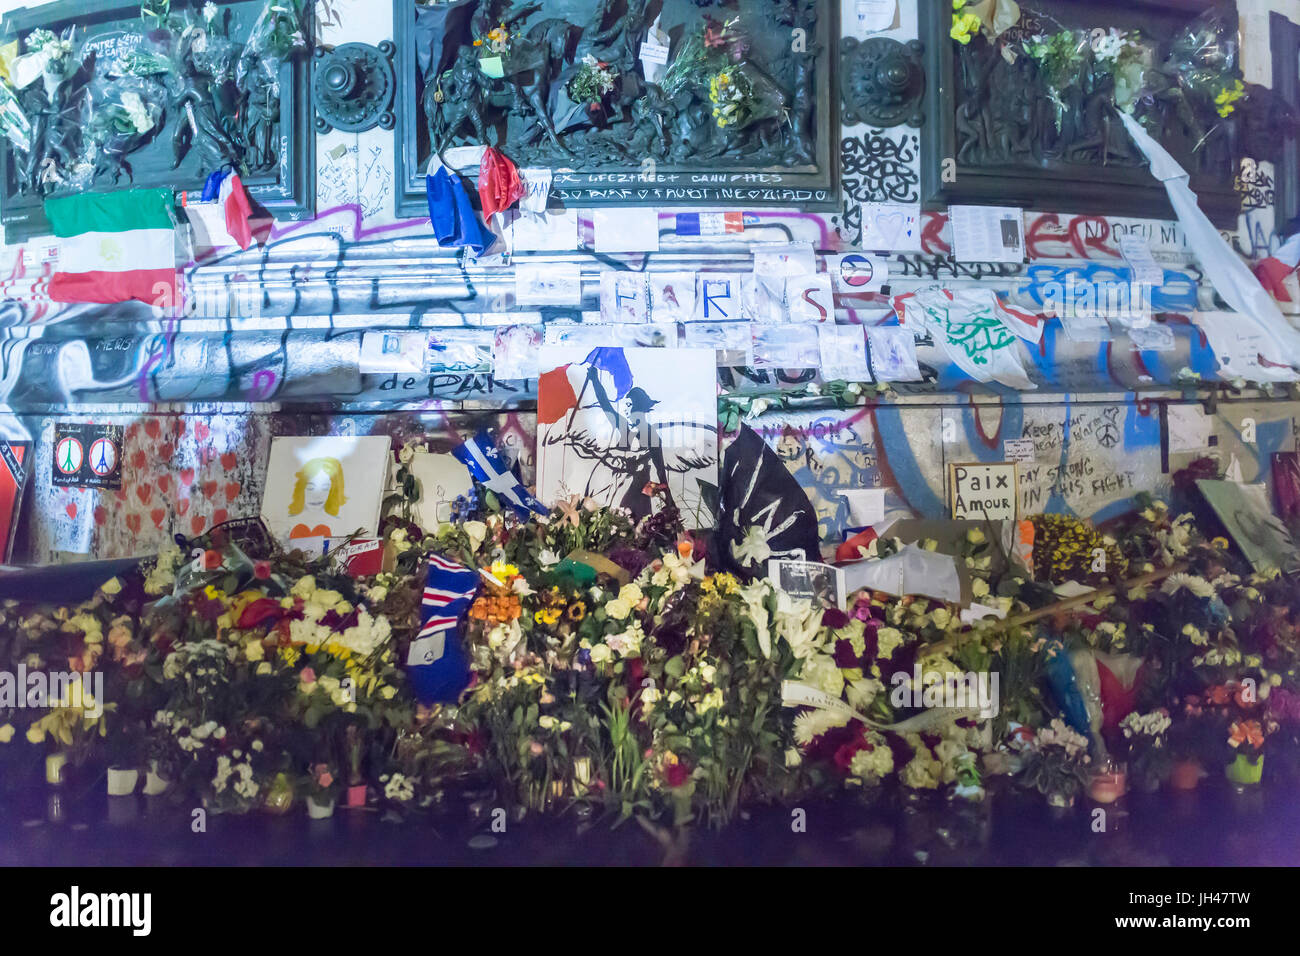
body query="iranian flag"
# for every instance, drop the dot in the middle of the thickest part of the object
(114, 247)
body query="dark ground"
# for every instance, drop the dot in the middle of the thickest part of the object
(1213, 826)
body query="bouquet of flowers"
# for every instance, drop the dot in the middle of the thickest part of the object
(594, 81)
(1056, 763)
(1146, 747)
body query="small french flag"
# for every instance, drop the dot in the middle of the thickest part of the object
(220, 216)
(1273, 271)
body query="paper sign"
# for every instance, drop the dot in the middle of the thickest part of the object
(554, 231)
(785, 346)
(442, 478)
(492, 66)
(463, 157)
(1152, 338)
(763, 301)
(733, 341)
(979, 492)
(823, 584)
(809, 298)
(1081, 327)
(866, 506)
(87, 455)
(843, 352)
(1137, 253)
(626, 230)
(1018, 449)
(784, 259)
(891, 227)
(1189, 428)
(718, 297)
(623, 297)
(987, 233)
(537, 181)
(857, 272)
(654, 52)
(615, 335)
(672, 296)
(386, 352)
(873, 16)
(555, 283)
(514, 352)
(893, 354)
(1243, 348)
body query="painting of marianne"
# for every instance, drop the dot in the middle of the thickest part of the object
(324, 487)
(632, 428)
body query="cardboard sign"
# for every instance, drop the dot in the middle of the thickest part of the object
(979, 492)
(361, 557)
(87, 455)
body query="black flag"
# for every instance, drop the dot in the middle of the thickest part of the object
(758, 491)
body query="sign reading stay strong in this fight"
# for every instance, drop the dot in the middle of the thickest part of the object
(87, 455)
(983, 492)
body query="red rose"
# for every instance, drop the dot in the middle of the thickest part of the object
(262, 570)
(844, 755)
(259, 612)
(211, 560)
(676, 774)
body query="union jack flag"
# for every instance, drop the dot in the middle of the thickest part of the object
(448, 592)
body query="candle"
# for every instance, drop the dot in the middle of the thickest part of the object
(1108, 786)
(54, 764)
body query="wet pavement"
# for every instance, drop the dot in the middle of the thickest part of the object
(1213, 826)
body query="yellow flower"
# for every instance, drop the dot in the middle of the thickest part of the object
(111, 586)
(254, 651)
(35, 734)
(6, 733)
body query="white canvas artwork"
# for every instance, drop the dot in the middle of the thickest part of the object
(629, 427)
(325, 487)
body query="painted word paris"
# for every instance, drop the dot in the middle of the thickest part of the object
(633, 102)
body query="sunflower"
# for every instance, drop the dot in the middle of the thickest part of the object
(576, 612)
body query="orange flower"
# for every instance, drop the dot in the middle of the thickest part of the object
(1246, 732)
(1219, 694)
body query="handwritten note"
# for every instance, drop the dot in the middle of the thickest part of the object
(891, 227)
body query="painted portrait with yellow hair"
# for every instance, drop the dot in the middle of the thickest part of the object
(317, 497)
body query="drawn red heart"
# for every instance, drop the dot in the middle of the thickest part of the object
(187, 476)
(101, 514)
(121, 494)
(209, 488)
(153, 428)
(139, 459)
(144, 493)
(232, 490)
(132, 431)
(164, 482)
(202, 431)
(157, 515)
(182, 506)
(219, 515)
(165, 451)
(197, 523)
(229, 460)
(71, 509)
(133, 522)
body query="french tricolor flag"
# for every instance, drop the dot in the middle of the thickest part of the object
(1273, 271)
